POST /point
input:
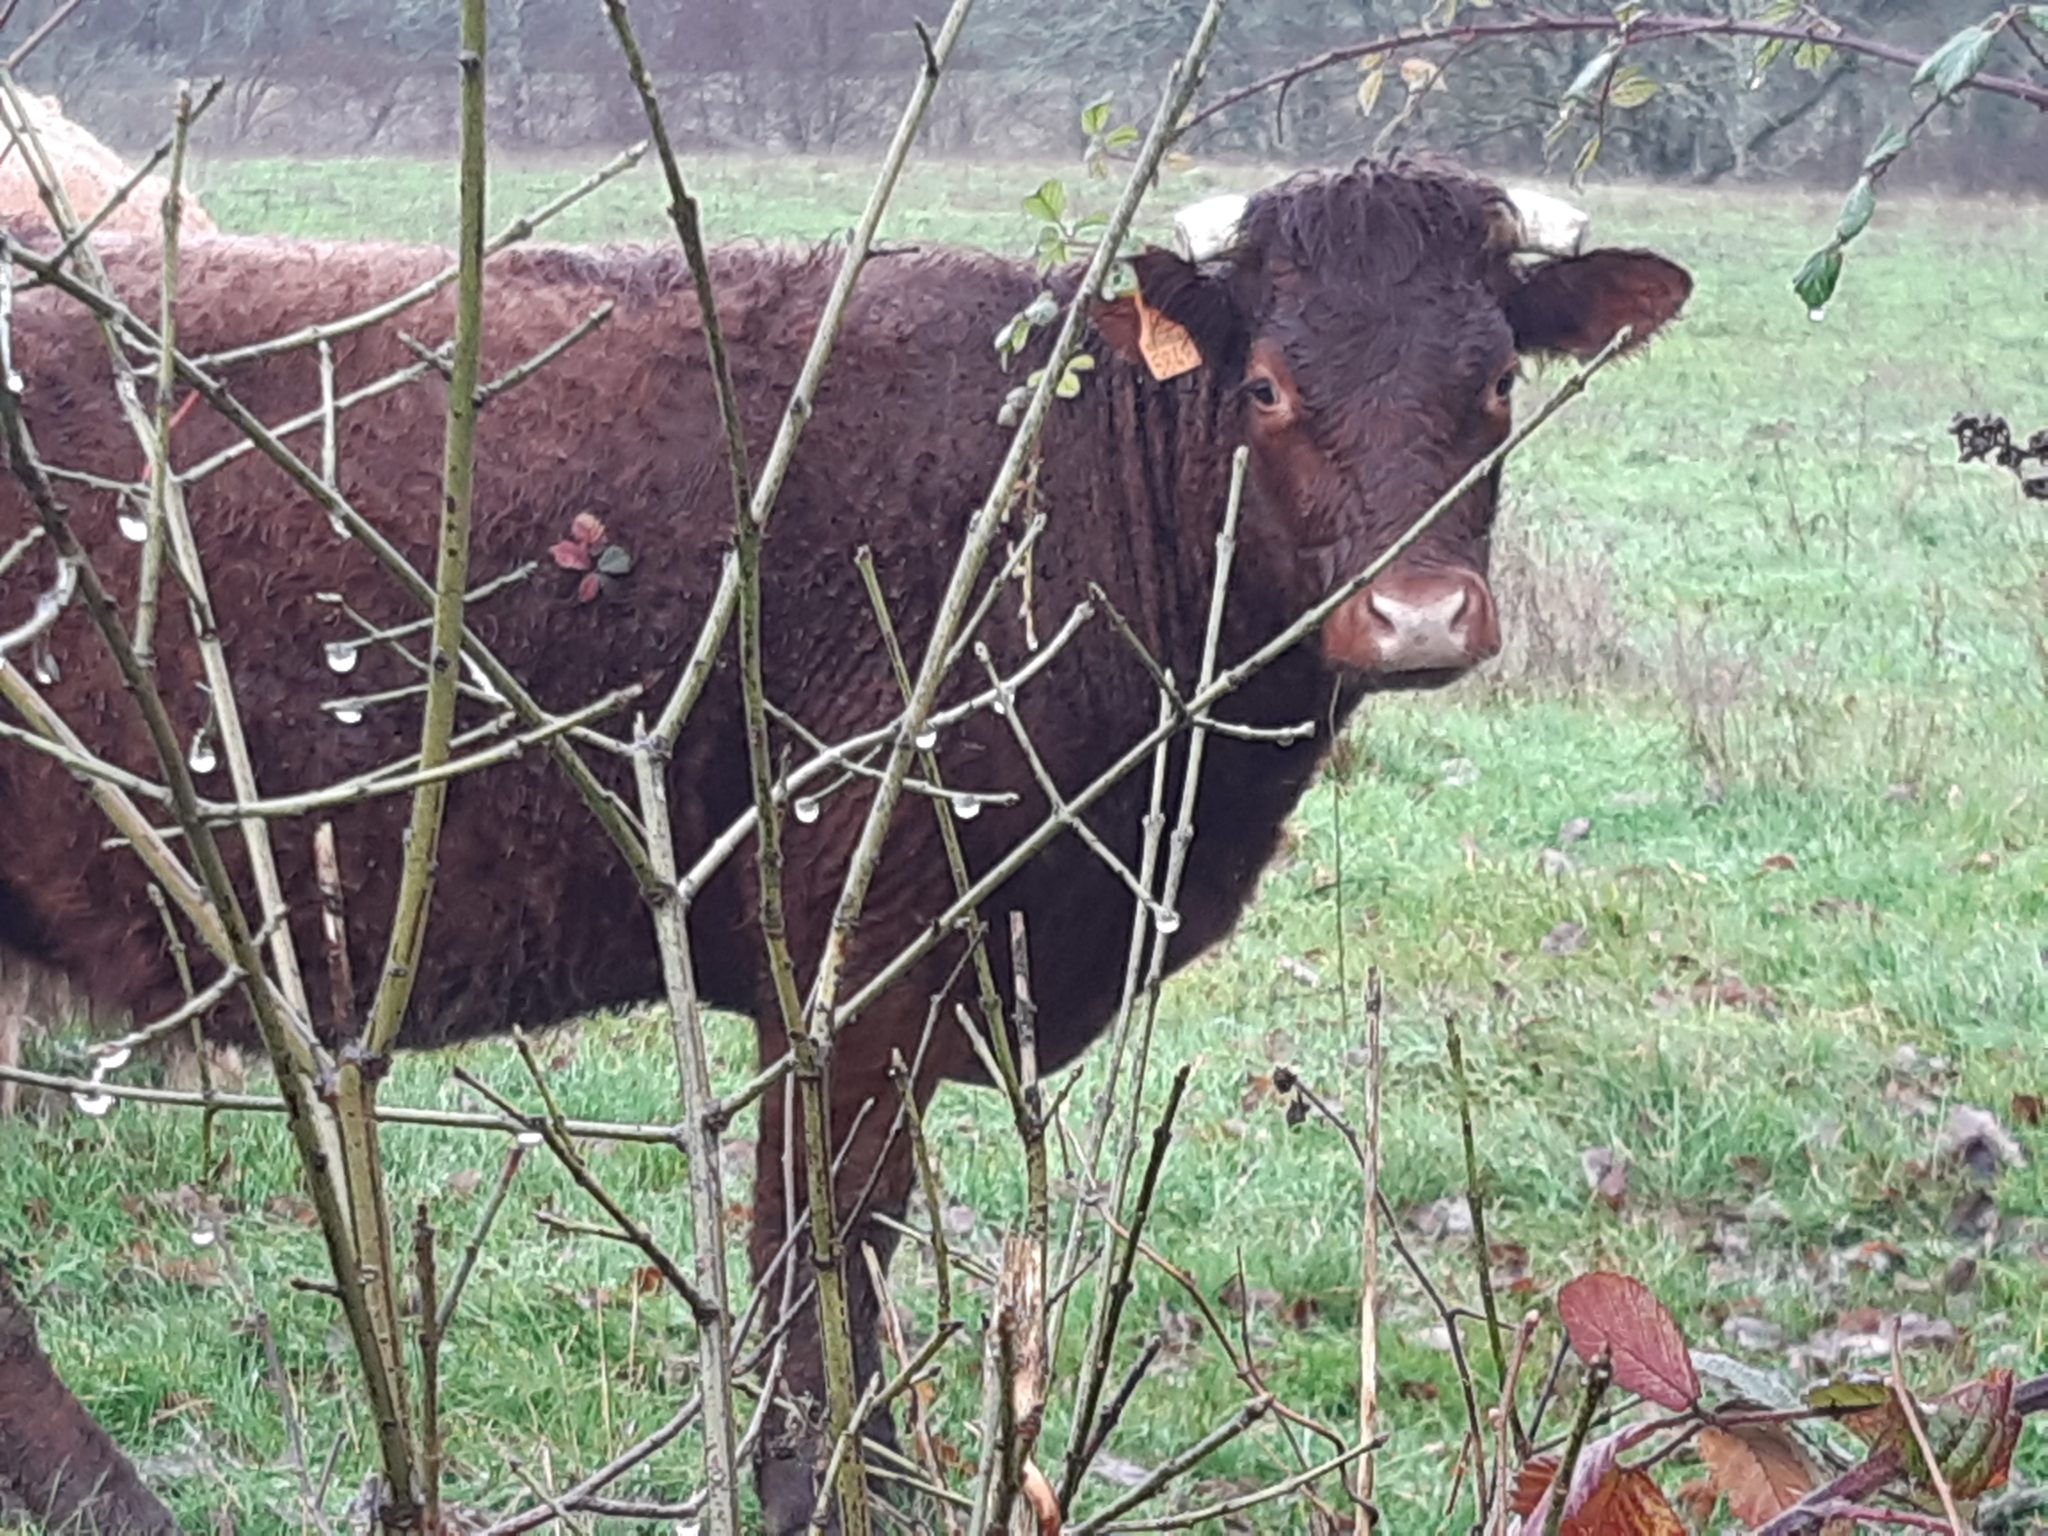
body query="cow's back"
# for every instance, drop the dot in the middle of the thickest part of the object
(535, 919)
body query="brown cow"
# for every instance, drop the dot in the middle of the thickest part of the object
(90, 172)
(1363, 331)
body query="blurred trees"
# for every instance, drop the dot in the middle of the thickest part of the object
(829, 75)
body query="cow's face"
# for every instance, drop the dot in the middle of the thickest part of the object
(1369, 332)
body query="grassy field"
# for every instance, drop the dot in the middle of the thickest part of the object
(1783, 661)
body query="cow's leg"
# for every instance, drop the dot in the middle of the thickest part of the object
(875, 1177)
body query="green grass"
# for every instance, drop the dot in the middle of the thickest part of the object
(1831, 648)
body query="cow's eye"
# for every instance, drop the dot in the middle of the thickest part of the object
(1263, 394)
(1504, 386)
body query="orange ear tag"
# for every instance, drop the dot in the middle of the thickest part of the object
(1169, 351)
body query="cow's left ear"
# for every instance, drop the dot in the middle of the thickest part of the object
(1178, 319)
(1577, 305)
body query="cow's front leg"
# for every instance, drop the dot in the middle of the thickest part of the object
(875, 1172)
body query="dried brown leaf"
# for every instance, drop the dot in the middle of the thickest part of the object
(1628, 1502)
(1761, 1468)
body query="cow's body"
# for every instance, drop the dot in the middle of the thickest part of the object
(535, 920)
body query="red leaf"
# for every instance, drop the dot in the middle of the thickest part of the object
(587, 530)
(1762, 1468)
(1616, 1313)
(1532, 1480)
(570, 556)
(1628, 1503)
(588, 588)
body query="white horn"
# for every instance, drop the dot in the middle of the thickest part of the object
(1550, 225)
(1204, 231)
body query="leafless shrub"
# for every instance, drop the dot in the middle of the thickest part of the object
(1562, 629)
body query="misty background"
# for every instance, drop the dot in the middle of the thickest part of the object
(367, 77)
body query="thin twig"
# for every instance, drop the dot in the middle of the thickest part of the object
(1911, 1410)
(1598, 1374)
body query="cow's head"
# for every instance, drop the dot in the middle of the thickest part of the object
(1368, 330)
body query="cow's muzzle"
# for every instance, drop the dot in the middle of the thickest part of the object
(1415, 627)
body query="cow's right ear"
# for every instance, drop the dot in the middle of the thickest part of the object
(1176, 319)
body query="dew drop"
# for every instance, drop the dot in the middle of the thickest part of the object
(341, 656)
(115, 1060)
(46, 669)
(806, 809)
(1002, 703)
(927, 738)
(202, 1237)
(528, 1138)
(348, 714)
(1166, 921)
(1818, 313)
(967, 808)
(94, 1104)
(1756, 82)
(340, 528)
(1461, 772)
(133, 528)
(201, 759)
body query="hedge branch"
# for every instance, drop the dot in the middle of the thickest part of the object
(166, 380)
(797, 414)
(1644, 29)
(408, 933)
(699, 1139)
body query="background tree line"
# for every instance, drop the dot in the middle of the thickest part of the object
(359, 76)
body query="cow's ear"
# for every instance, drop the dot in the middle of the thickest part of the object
(1176, 319)
(1577, 305)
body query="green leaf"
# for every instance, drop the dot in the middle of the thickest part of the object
(2036, 16)
(1120, 137)
(1370, 87)
(1811, 56)
(1049, 202)
(1095, 117)
(1850, 1392)
(1816, 281)
(1629, 11)
(614, 561)
(1766, 56)
(1587, 81)
(1890, 145)
(1780, 10)
(1631, 88)
(1951, 65)
(1588, 153)
(1857, 208)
